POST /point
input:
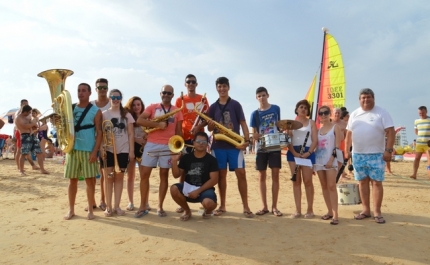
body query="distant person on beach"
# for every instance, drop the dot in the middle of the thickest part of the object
(82, 161)
(29, 144)
(49, 149)
(264, 120)
(337, 119)
(422, 130)
(366, 130)
(201, 175)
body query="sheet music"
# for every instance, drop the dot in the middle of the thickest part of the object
(303, 162)
(188, 188)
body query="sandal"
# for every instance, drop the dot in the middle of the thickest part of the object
(248, 214)
(179, 210)
(185, 217)
(140, 213)
(277, 213)
(219, 212)
(119, 212)
(326, 217)
(309, 215)
(296, 215)
(107, 213)
(161, 213)
(262, 212)
(130, 207)
(334, 222)
(86, 208)
(102, 206)
(379, 219)
(361, 216)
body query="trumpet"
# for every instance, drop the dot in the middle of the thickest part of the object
(109, 140)
(176, 145)
(202, 109)
(225, 133)
(164, 117)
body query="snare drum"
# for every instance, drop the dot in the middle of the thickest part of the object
(348, 194)
(274, 141)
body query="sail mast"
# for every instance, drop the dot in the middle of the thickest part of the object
(321, 74)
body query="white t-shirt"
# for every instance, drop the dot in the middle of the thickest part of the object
(368, 130)
(120, 127)
(106, 107)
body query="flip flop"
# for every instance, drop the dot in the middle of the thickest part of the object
(161, 213)
(296, 215)
(139, 214)
(334, 222)
(102, 206)
(130, 207)
(185, 217)
(219, 212)
(309, 215)
(179, 210)
(326, 217)
(379, 219)
(248, 214)
(86, 208)
(361, 216)
(277, 213)
(262, 212)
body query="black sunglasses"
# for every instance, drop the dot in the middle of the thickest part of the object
(102, 87)
(167, 93)
(326, 112)
(191, 82)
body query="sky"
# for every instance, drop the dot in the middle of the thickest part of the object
(141, 45)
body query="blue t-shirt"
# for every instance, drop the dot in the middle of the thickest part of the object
(85, 139)
(266, 119)
(230, 116)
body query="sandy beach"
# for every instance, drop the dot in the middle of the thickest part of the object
(34, 232)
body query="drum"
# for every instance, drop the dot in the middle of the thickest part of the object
(274, 141)
(348, 194)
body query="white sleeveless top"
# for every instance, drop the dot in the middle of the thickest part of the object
(299, 135)
(324, 150)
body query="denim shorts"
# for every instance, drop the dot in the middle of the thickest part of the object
(206, 194)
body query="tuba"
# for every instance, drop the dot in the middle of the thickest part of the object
(62, 107)
(109, 140)
(164, 117)
(225, 134)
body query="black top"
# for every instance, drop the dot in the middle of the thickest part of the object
(197, 169)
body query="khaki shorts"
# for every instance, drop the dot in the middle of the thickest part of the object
(78, 165)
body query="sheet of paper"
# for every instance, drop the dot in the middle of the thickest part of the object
(303, 162)
(188, 188)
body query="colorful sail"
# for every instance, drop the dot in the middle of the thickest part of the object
(310, 96)
(331, 90)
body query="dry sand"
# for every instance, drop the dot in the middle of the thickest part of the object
(34, 232)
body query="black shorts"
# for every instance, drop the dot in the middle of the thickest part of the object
(137, 148)
(122, 159)
(271, 158)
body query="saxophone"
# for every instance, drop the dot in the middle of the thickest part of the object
(225, 134)
(164, 117)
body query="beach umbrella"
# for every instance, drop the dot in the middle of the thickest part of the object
(9, 115)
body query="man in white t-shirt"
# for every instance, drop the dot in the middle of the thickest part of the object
(366, 131)
(103, 103)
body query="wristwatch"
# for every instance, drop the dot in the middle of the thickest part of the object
(389, 150)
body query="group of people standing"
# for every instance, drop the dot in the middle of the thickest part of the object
(139, 134)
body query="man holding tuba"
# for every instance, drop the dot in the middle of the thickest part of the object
(229, 114)
(165, 121)
(82, 160)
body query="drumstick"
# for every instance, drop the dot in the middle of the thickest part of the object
(342, 168)
(302, 150)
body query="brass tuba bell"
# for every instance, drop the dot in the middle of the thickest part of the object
(62, 106)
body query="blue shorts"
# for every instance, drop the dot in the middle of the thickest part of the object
(290, 156)
(234, 158)
(369, 165)
(207, 194)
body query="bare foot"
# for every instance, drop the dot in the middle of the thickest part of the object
(44, 171)
(69, 215)
(22, 173)
(413, 177)
(90, 216)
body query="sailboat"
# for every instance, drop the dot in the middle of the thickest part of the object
(331, 90)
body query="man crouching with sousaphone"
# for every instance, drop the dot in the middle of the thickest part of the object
(163, 120)
(82, 160)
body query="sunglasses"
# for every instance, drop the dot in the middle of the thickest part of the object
(102, 88)
(116, 97)
(201, 141)
(326, 112)
(167, 93)
(191, 82)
